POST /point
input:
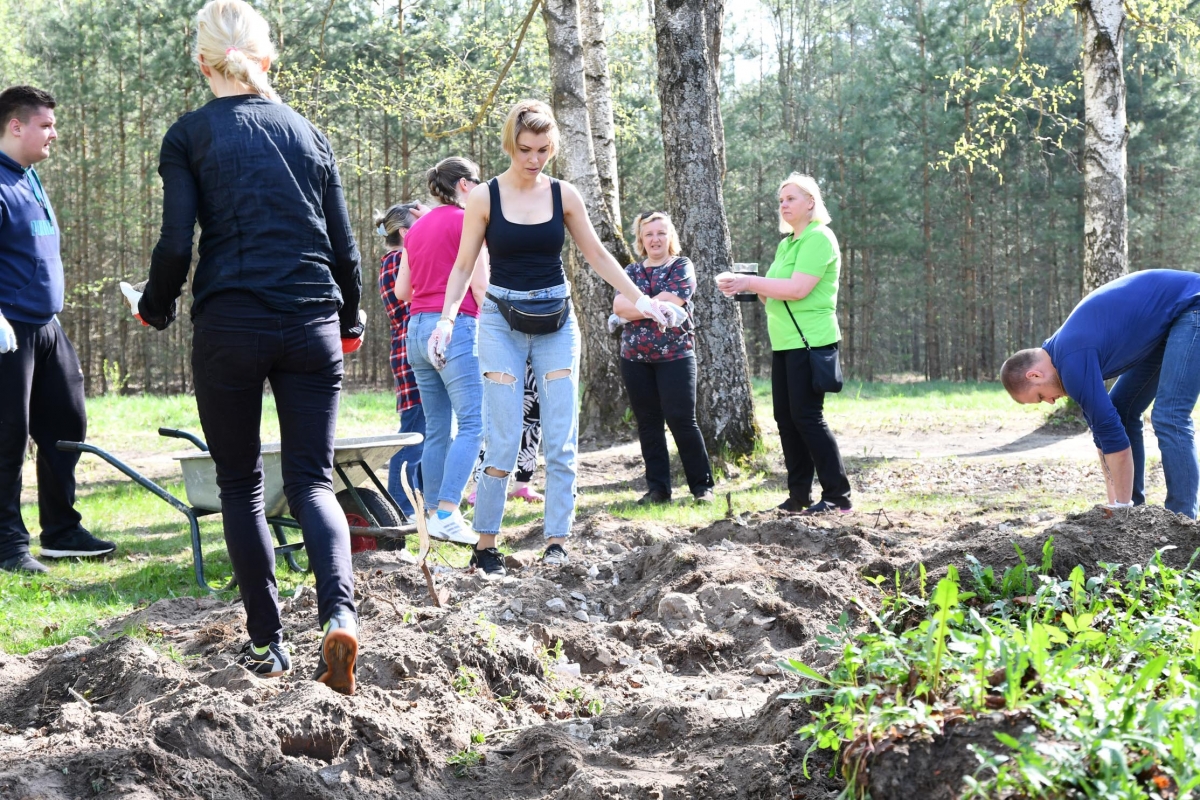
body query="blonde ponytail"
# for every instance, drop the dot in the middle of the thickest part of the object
(234, 39)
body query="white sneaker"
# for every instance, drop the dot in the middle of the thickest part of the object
(451, 529)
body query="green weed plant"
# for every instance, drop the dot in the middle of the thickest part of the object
(1106, 669)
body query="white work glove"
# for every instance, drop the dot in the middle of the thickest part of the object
(667, 315)
(133, 295)
(8, 337)
(1118, 504)
(439, 343)
(614, 323)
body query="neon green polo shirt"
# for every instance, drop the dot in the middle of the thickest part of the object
(814, 252)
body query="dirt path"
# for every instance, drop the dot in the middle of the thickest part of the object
(645, 669)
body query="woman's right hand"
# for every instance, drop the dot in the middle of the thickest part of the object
(439, 343)
(667, 315)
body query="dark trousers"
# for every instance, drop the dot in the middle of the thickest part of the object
(808, 443)
(237, 344)
(665, 391)
(41, 395)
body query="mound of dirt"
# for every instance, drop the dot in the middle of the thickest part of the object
(647, 668)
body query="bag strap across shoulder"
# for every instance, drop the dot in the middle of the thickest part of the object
(802, 337)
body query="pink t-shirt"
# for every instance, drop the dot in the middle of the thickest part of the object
(431, 246)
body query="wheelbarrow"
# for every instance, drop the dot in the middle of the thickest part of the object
(373, 514)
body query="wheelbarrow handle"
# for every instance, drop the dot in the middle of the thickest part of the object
(70, 447)
(176, 434)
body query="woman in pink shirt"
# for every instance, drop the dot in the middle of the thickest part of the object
(451, 385)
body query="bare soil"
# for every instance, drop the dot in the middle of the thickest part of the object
(665, 684)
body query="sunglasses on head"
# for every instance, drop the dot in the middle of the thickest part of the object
(645, 215)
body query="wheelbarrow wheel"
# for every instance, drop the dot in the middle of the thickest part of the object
(380, 509)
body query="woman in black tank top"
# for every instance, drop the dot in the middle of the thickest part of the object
(524, 216)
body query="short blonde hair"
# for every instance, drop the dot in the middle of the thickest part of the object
(528, 115)
(808, 185)
(673, 247)
(234, 39)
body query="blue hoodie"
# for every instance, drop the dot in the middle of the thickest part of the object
(31, 272)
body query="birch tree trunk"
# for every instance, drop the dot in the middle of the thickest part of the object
(1105, 216)
(688, 33)
(603, 402)
(600, 109)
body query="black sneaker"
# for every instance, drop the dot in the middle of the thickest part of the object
(76, 544)
(792, 506)
(23, 562)
(489, 562)
(703, 497)
(654, 497)
(268, 662)
(339, 652)
(555, 555)
(825, 507)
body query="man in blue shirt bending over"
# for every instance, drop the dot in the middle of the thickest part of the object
(1144, 328)
(41, 384)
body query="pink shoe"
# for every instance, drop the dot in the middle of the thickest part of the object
(471, 500)
(527, 494)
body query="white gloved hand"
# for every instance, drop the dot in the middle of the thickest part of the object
(439, 343)
(615, 322)
(667, 315)
(8, 337)
(133, 295)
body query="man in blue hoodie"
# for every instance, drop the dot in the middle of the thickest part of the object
(1144, 328)
(41, 383)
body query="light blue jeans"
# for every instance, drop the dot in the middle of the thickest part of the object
(412, 420)
(1170, 377)
(454, 391)
(504, 351)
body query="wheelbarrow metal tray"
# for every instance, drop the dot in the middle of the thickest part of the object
(200, 473)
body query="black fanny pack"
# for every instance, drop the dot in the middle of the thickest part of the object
(542, 315)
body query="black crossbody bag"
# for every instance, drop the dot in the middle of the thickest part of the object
(825, 364)
(537, 316)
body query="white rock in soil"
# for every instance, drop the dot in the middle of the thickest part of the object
(581, 730)
(677, 606)
(762, 622)
(595, 618)
(604, 657)
(653, 660)
(767, 668)
(557, 604)
(582, 616)
(615, 547)
(717, 692)
(580, 596)
(508, 615)
(569, 669)
(517, 605)
(593, 571)
(735, 619)
(630, 660)
(616, 581)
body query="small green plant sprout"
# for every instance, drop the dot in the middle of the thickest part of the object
(488, 632)
(549, 656)
(409, 616)
(508, 701)
(464, 761)
(594, 707)
(466, 682)
(478, 737)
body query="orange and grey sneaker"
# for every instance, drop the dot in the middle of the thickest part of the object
(339, 651)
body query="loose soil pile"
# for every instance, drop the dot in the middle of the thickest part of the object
(664, 686)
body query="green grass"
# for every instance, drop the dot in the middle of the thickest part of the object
(1107, 668)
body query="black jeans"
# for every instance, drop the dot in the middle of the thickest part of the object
(237, 344)
(41, 395)
(808, 444)
(666, 391)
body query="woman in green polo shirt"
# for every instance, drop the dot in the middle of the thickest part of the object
(800, 293)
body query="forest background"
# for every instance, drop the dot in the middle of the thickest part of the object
(956, 193)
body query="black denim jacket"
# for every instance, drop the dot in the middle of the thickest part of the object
(264, 186)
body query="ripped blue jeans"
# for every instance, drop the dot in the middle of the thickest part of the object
(502, 356)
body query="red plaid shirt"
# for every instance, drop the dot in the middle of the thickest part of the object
(407, 395)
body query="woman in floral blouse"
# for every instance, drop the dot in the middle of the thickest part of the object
(659, 365)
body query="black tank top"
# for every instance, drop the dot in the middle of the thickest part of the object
(525, 257)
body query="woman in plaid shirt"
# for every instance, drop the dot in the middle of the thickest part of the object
(392, 225)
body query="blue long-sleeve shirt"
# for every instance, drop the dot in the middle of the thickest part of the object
(1109, 332)
(31, 271)
(264, 186)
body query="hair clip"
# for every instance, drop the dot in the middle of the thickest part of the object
(229, 50)
(381, 230)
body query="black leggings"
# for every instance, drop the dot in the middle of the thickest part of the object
(237, 344)
(665, 391)
(808, 443)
